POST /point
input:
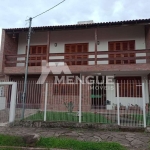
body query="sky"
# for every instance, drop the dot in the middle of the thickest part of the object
(13, 13)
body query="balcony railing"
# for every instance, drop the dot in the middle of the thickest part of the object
(88, 58)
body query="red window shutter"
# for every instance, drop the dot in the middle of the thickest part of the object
(122, 58)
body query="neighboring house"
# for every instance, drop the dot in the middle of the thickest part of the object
(121, 49)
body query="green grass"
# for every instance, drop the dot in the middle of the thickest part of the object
(78, 145)
(6, 140)
(86, 117)
(139, 118)
(70, 117)
(61, 143)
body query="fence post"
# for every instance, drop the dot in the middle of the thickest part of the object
(45, 107)
(13, 103)
(144, 111)
(118, 112)
(80, 99)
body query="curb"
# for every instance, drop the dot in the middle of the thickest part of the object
(28, 148)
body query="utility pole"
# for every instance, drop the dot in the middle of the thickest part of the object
(24, 95)
(26, 69)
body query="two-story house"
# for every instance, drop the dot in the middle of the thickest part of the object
(120, 49)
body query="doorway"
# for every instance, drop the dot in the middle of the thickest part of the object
(98, 92)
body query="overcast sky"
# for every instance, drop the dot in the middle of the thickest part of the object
(13, 13)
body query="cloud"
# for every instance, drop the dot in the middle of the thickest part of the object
(14, 13)
(118, 7)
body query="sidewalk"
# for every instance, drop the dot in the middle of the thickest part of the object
(134, 141)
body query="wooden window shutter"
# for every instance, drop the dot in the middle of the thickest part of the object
(122, 57)
(76, 59)
(39, 49)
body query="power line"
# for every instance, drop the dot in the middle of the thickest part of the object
(47, 10)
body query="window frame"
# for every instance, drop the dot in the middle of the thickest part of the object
(38, 58)
(129, 44)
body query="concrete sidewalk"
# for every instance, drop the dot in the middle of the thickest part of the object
(132, 140)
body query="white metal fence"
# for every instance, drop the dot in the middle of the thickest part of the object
(125, 103)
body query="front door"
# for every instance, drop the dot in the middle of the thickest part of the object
(98, 93)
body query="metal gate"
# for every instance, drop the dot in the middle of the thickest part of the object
(131, 103)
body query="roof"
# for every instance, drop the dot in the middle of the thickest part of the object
(83, 26)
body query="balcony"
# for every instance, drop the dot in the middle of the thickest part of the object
(101, 61)
(88, 58)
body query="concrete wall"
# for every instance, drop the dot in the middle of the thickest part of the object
(68, 37)
(2, 103)
(136, 33)
(147, 40)
(8, 46)
(2, 98)
(105, 35)
(37, 38)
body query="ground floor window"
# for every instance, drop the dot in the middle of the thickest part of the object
(129, 86)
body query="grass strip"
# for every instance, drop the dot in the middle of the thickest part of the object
(62, 143)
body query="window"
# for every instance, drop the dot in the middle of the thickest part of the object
(129, 86)
(65, 88)
(37, 50)
(77, 59)
(122, 46)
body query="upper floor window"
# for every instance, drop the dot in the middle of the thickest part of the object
(122, 58)
(70, 49)
(37, 54)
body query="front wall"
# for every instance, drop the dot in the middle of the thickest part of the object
(68, 37)
(147, 35)
(8, 46)
(56, 102)
(105, 35)
(37, 38)
(136, 33)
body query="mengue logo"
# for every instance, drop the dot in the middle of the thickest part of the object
(59, 68)
(54, 68)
